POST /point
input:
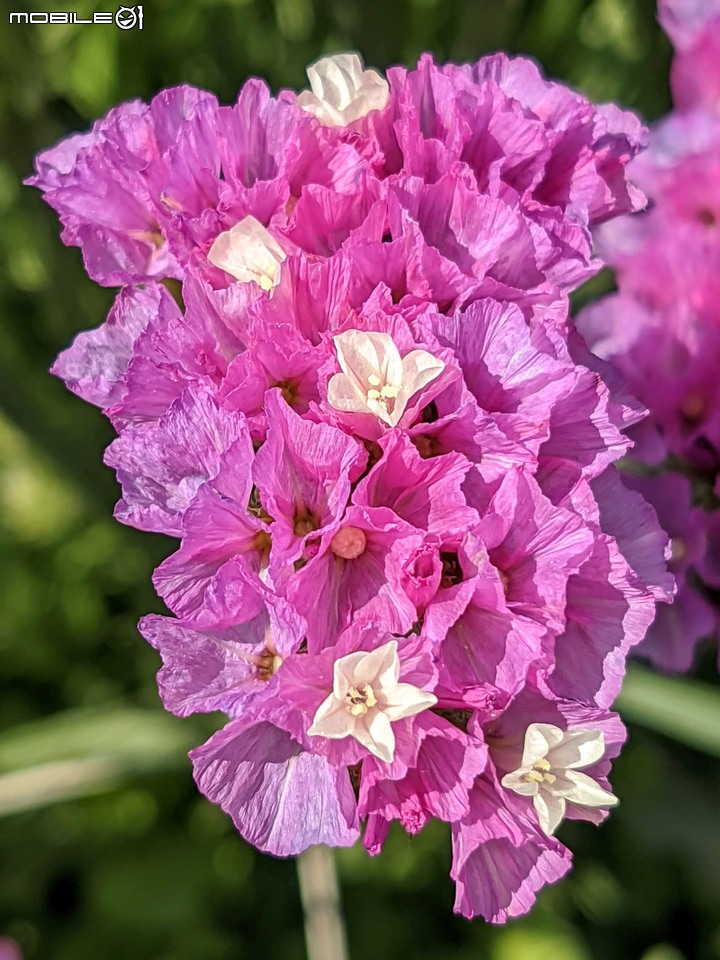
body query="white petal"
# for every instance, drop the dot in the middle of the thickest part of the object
(550, 810)
(377, 408)
(516, 782)
(357, 356)
(419, 369)
(336, 79)
(342, 91)
(587, 792)
(363, 667)
(579, 748)
(345, 673)
(375, 732)
(406, 700)
(249, 253)
(344, 394)
(540, 738)
(361, 354)
(389, 670)
(332, 720)
(381, 661)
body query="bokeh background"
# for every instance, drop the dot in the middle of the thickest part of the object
(106, 850)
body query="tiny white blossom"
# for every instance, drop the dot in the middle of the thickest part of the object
(248, 252)
(367, 699)
(375, 378)
(549, 772)
(342, 91)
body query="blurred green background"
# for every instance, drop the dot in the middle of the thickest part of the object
(106, 850)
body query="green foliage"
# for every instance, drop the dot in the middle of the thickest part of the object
(107, 850)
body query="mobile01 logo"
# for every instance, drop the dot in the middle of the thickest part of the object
(124, 18)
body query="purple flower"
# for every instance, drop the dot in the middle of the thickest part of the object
(407, 572)
(661, 331)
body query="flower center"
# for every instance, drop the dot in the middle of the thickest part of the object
(268, 663)
(289, 391)
(452, 573)
(358, 700)
(304, 522)
(427, 446)
(384, 396)
(692, 408)
(540, 773)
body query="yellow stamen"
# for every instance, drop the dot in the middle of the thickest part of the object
(533, 776)
(360, 699)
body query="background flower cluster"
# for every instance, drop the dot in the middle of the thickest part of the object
(342, 372)
(661, 329)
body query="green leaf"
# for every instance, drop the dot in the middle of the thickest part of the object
(83, 752)
(685, 710)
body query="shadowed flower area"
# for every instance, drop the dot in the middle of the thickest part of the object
(107, 850)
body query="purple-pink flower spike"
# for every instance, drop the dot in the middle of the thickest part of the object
(408, 572)
(662, 329)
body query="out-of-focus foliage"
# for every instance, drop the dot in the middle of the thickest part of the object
(105, 848)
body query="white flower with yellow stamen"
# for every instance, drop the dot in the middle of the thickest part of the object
(549, 772)
(248, 252)
(375, 378)
(367, 699)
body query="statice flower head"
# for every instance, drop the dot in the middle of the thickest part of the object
(407, 572)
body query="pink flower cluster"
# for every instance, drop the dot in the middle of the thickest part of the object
(662, 328)
(408, 572)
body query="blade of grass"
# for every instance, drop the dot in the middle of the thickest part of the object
(685, 710)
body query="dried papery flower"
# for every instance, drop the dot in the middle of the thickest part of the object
(385, 450)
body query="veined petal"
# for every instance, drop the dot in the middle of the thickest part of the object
(540, 738)
(589, 793)
(419, 368)
(344, 673)
(389, 671)
(344, 394)
(550, 810)
(249, 253)
(342, 91)
(332, 720)
(406, 700)
(362, 355)
(335, 79)
(371, 666)
(579, 748)
(377, 735)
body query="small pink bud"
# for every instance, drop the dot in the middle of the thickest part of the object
(349, 543)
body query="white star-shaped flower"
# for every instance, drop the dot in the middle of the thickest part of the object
(375, 378)
(549, 772)
(342, 91)
(367, 699)
(248, 252)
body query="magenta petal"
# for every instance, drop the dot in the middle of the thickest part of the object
(500, 862)
(436, 785)
(94, 365)
(281, 799)
(162, 464)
